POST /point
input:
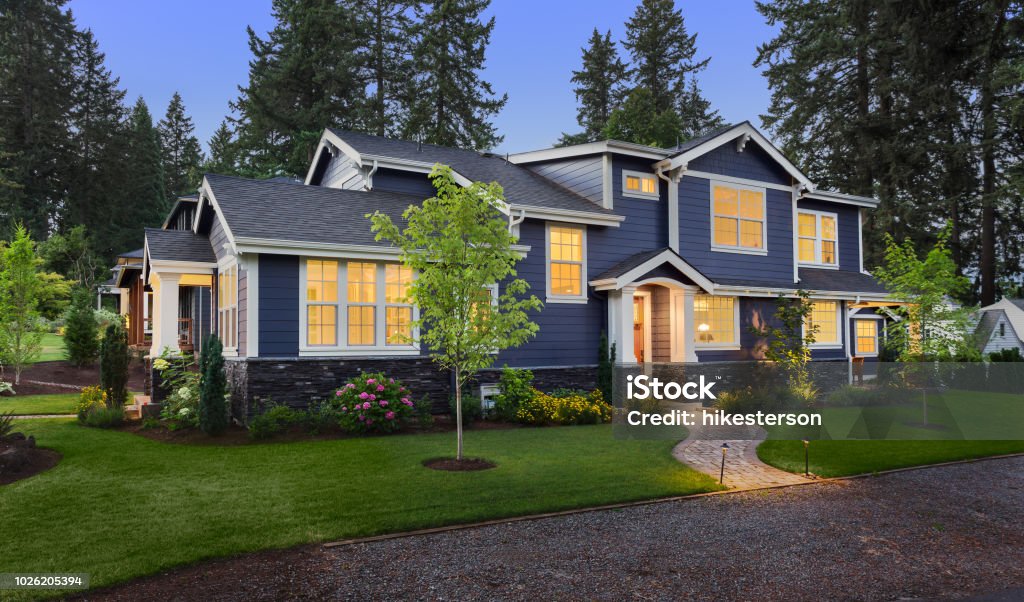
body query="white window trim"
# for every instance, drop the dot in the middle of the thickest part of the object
(342, 348)
(764, 221)
(818, 239)
(551, 297)
(735, 329)
(223, 265)
(636, 194)
(856, 349)
(838, 344)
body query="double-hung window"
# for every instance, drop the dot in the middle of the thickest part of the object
(227, 306)
(397, 310)
(867, 337)
(362, 302)
(737, 218)
(824, 318)
(717, 321)
(322, 302)
(817, 242)
(566, 263)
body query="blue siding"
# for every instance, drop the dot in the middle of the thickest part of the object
(645, 228)
(846, 227)
(279, 306)
(404, 182)
(775, 268)
(753, 164)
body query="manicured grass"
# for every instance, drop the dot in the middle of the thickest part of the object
(119, 505)
(844, 458)
(53, 348)
(40, 404)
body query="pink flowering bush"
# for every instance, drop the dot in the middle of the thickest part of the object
(373, 403)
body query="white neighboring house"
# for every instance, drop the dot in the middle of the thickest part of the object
(1001, 326)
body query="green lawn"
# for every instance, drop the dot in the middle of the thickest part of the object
(119, 505)
(53, 348)
(64, 403)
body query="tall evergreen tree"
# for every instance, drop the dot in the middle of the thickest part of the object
(664, 62)
(145, 200)
(37, 38)
(453, 104)
(598, 84)
(386, 62)
(639, 121)
(181, 153)
(223, 157)
(303, 78)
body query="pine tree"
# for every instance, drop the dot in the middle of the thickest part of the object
(386, 62)
(303, 78)
(223, 157)
(639, 121)
(181, 153)
(36, 97)
(80, 329)
(663, 62)
(453, 105)
(114, 360)
(599, 85)
(213, 411)
(145, 203)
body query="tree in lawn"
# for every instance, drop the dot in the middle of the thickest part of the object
(599, 87)
(144, 193)
(453, 105)
(788, 341)
(459, 246)
(386, 62)
(932, 328)
(223, 157)
(303, 78)
(20, 287)
(80, 330)
(664, 62)
(180, 149)
(213, 411)
(114, 360)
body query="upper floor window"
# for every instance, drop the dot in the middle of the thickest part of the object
(825, 317)
(816, 238)
(639, 184)
(566, 263)
(737, 218)
(717, 320)
(227, 306)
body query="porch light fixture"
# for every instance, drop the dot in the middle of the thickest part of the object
(721, 475)
(807, 445)
(704, 335)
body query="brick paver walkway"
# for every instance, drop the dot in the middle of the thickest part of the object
(743, 469)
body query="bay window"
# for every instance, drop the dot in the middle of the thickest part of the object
(817, 242)
(716, 320)
(737, 218)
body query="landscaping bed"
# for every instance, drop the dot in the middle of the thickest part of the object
(63, 373)
(20, 458)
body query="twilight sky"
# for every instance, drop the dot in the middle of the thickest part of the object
(199, 48)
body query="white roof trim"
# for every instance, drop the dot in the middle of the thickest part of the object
(591, 148)
(299, 247)
(842, 197)
(206, 193)
(569, 215)
(667, 256)
(329, 140)
(743, 129)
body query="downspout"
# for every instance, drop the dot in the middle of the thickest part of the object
(368, 183)
(798, 193)
(673, 201)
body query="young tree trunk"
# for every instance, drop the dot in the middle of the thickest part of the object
(458, 412)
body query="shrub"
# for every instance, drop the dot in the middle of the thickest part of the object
(605, 367)
(320, 417)
(566, 392)
(273, 421)
(6, 387)
(213, 411)
(472, 408)
(852, 396)
(90, 400)
(114, 365)
(181, 406)
(1006, 355)
(373, 403)
(515, 389)
(105, 417)
(425, 411)
(542, 408)
(80, 330)
(6, 424)
(105, 317)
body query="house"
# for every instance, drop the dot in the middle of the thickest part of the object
(675, 253)
(1001, 326)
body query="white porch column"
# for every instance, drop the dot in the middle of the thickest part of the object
(689, 327)
(165, 310)
(620, 324)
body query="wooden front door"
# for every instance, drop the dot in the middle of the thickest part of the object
(638, 328)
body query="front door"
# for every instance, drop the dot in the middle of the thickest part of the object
(638, 328)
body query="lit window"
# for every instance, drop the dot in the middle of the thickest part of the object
(227, 306)
(715, 318)
(816, 237)
(639, 184)
(362, 299)
(738, 217)
(867, 337)
(321, 302)
(825, 316)
(397, 311)
(565, 261)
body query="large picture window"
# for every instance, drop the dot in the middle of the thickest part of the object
(825, 316)
(566, 262)
(321, 302)
(816, 238)
(737, 218)
(227, 306)
(716, 319)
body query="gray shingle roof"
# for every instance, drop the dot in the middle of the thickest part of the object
(839, 280)
(1018, 302)
(285, 211)
(694, 142)
(986, 325)
(136, 254)
(178, 245)
(521, 186)
(628, 264)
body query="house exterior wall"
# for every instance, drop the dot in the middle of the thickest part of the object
(1008, 341)
(404, 182)
(342, 172)
(753, 164)
(582, 175)
(278, 306)
(846, 230)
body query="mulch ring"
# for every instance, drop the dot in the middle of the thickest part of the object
(21, 459)
(47, 378)
(458, 465)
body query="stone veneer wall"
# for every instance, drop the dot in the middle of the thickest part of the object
(298, 381)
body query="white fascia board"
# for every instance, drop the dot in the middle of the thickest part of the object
(763, 291)
(663, 257)
(744, 129)
(292, 247)
(569, 215)
(840, 197)
(329, 140)
(182, 267)
(207, 193)
(590, 148)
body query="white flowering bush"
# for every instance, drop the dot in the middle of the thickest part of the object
(181, 406)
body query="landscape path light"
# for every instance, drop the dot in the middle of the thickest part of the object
(807, 445)
(721, 475)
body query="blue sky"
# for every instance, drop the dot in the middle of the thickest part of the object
(200, 49)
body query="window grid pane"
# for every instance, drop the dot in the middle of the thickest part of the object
(649, 186)
(362, 282)
(823, 315)
(398, 325)
(361, 325)
(396, 282)
(715, 318)
(632, 183)
(738, 217)
(867, 331)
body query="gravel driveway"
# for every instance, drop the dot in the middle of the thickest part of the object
(941, 532)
